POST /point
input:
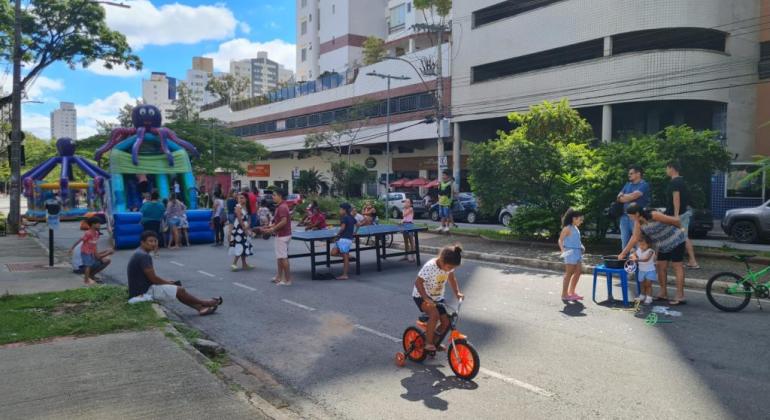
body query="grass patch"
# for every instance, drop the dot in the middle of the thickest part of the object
(214, 364)
(86, 311)
(188, 333)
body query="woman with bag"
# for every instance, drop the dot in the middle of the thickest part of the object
(240, 245)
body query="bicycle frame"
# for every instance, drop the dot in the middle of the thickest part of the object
(752, 277)
(452, 331)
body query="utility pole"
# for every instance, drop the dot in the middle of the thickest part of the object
(14, 216)
(389, 77)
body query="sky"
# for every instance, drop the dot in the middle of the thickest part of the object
(166, 35)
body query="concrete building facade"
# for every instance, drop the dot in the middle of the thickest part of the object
(196, 80)
(160, 90)
(64, 121)
(628, 66)
(263, 74)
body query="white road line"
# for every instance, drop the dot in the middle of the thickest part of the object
(177, 263)
(299, 305)
(206, 274)
(516, 382)
(244, 286)
(377, 333)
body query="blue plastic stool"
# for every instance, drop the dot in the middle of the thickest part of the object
(622, 274)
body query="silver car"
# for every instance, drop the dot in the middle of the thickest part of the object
(396, 201)
(749, 224)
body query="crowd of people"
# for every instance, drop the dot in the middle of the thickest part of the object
(654, 240)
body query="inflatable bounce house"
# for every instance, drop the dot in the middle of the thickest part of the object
(148, 158)
(77, 198)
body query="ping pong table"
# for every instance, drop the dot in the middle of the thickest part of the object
(379, 232)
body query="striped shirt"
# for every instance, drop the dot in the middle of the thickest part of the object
(665, 237)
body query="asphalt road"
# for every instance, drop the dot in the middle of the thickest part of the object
(334, 341)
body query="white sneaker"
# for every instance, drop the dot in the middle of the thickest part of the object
(648, 300)
(641, 298)
(446, 229)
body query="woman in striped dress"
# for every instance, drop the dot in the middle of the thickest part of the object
(668, 237)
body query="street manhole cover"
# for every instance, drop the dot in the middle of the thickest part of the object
(25, 266)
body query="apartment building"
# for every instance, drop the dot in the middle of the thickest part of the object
(160, 90)
(331, 33)
(64, 121)
(629, 67)
(196, 80)
(263, 74)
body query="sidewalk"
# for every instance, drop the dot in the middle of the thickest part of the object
(125, 375)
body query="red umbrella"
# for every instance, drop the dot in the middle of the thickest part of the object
(419, 182)
(400, 183)
(432, 184)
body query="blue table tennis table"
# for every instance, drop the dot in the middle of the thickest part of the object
(379, 232)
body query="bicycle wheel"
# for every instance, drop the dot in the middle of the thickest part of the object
(465, 364)
(416, 336)
(728, 292)
(389, 241)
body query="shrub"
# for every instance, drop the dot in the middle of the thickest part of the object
(532, 222)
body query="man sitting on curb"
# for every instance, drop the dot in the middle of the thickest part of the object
(144, 285)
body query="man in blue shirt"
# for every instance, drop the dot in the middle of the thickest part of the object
(344, 238)
(636, 190)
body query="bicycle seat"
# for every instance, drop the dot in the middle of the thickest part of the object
(423, 317)
(743, 257)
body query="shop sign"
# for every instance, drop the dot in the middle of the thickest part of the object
(258, 170)
(370, 163)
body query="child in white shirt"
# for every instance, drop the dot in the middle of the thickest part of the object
(645, 258)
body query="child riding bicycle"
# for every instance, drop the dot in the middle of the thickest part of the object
(428, 292)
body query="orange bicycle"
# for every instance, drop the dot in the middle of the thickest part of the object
(463, 357)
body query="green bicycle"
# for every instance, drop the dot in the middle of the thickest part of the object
(731, 292)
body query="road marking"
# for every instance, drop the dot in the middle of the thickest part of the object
(206, 274)
(177, 263)
(377, 333)
(244, 286)
(516, 382)
(299, 305)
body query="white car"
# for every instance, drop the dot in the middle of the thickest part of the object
(396, 200)
(506, 214)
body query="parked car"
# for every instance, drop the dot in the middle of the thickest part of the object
(465, 209)
(293, 200)
(701, 223)
(506, 213)
(749, 224)
(396, 204)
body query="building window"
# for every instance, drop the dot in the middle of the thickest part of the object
(668, 39)
(304, 3)
(397, 21)
(304, 55)
(375, 151)
(405, 149)
(551, 58)
(739, 182)
(334, 9)
(507, 9)
(304, 28)
(764, 60)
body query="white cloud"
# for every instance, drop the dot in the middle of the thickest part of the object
(144, 24)
(240, 48)
(37, 124)
(244, 27)
(105, 109)
(117, 71)
(37, 90)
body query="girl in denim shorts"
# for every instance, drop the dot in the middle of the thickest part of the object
(645, 259)
(572, 251)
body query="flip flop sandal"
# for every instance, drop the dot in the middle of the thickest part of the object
(693, 267)
(219, 300)
(208, 311)
(658, 299)
(677, 302)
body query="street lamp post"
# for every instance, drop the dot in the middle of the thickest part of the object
(389, 77)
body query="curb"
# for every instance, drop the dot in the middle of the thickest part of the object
(274, 406)
(535, 263)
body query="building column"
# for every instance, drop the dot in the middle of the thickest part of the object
(411, 45)
(607, 123)
(456, 155)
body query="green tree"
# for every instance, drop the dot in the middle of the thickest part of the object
(71, 31)
(228, 87)
(218, 148)
(310, 182)
(347, 178)
(184, 107)
(441, 7)
(546, 162)
(374, 50)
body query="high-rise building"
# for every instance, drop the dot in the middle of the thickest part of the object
(197, 79)
(64, 121)
(330, 35)
(262, 73)
(160, 90)
(203, 63)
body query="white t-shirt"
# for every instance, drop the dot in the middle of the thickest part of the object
(434, 280)
(642, 255)
(359, 217)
